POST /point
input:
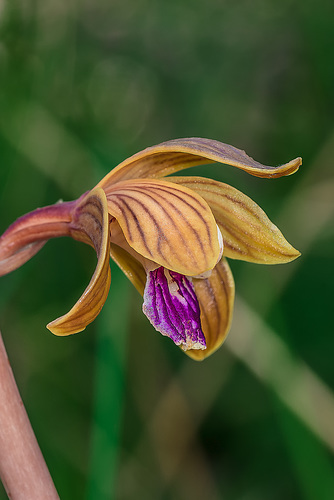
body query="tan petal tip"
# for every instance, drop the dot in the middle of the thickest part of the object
(292, 167)
(58, 327)
(293, 255)
(287, 253)
(268, 172)
(280, 258)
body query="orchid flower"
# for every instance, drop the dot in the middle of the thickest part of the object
(170, 236)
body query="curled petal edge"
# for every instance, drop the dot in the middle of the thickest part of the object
(178, 154)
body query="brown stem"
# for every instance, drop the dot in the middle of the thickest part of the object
(23, 470)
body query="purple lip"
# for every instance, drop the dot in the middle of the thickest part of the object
(171, 305)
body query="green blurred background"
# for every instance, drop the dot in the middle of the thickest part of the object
(118, 410)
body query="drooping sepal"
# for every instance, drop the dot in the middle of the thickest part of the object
(248, 233)
(167, 224)
(216, 299)
(171, 305)
(175, 155)
(90, 224)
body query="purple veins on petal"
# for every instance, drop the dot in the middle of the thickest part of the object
(171, 305)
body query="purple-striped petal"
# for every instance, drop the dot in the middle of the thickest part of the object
(171, 305)
(166, 223)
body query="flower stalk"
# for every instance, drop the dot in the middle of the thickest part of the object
(23, 470)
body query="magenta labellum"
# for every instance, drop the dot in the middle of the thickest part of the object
(171, 305)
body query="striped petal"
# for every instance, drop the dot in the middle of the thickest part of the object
(172, 156)
(168, 224)
(216, 299)
(248, 233)
(90, 224)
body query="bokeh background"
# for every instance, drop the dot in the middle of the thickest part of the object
(118, 410)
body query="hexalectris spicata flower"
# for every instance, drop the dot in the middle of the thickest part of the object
(169, 235)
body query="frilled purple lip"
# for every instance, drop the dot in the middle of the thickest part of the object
(171, 305)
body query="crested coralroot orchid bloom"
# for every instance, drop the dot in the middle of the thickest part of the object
(169, 235)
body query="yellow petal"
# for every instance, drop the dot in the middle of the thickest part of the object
(216, 299)
(131, 267)
(91, 225)
(248, 233)
(168, 224)
(172, 156)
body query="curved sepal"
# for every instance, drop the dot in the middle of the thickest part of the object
(168, 224)
(216, 299)
(248, 233)
(172, 156)
(90, 224)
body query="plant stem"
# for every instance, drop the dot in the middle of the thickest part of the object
(23, 470)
